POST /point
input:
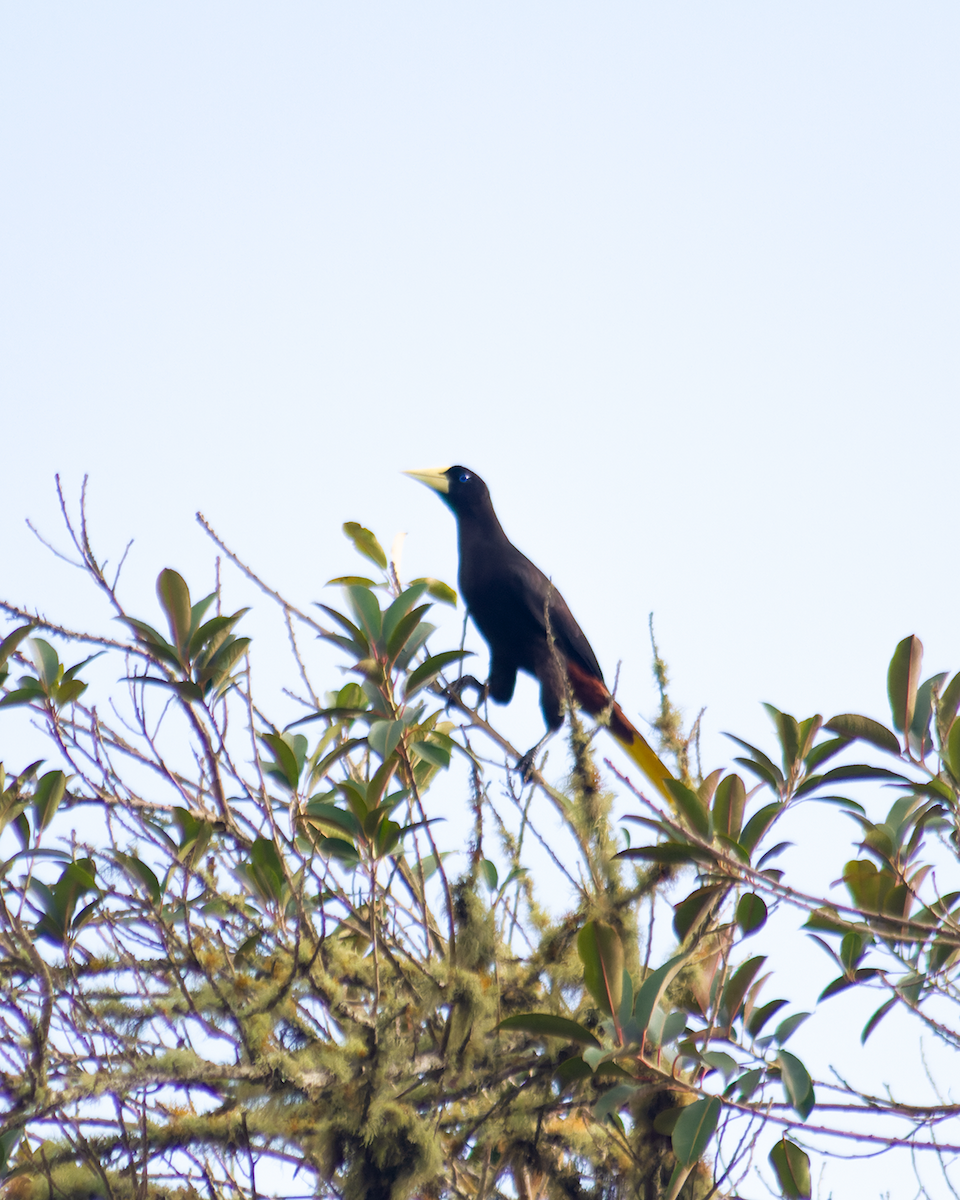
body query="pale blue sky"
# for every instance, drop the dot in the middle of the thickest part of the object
(679, 280)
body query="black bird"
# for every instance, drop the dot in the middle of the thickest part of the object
(509, 598)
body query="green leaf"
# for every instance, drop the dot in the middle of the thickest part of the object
(721, 1062)
(351, 581)
(792, 1169)
(728, 805)
(338, 848)
(572, 1070)
(48, 664)
(903, 677)
(797, 1084)
(429, 670)
(788, 1027)
(439, 590)
(488, 872)
(826, 750)
(747, 1084)
(760, 1016)
(758, 825)
(47, 797)
(653, 988)
(175, 601)
(139, 872)
(611, 1102)
(923, 710)
(13, 640)
(288, 768)
(669, 852)
(856, 728)
(877, 1018)
(737, 985)
(788, 731)
(323, 814)
(437, 756)
(859, 771)
(601, 953)
(694, 1128)
(384, 737)
(549, 1025)
(751, 913)
(947, 709)
(691, 808)
(690, 912)
(770, 770)
(400, 608)
(366, 608)
(267, 869)
(365, 543)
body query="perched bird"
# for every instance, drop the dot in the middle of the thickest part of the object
(509, 600)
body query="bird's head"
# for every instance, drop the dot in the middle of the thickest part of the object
(459, 487)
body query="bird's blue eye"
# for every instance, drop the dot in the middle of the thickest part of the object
(464, 476)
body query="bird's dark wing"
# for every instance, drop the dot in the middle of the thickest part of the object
(533, 589)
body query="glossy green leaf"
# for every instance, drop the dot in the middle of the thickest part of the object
(396, 640)
(400, 608)
(751, 913)
(718, 1061)
(760, 1016)
(488, 873)
(690, 912)
(288, 769)
(788, 732)
(653, 987)
(877, 1018)
(792, 1167)
(736, 987)
(611, 1102)
(384, 737)
(953, 750)
(351, 581)
(366, 608)
(438, 590)
(50, 791)
(728, 805)
(365, 543)
(947, 708)
(427, 671)
(788, 1027)
(340, 849)
(747, 1084)
(691, 808)
(601, 953)
(329, 815)
(13, 640)
(770, 771)
(923, 710)
(758, 825)
(797, 1083)
(48, 664)
(695, 1127)
(267, 869)
(572, 1070)
(903, 678)
(856, 728)
(139, 872)
(824, 751)
(175, 601)
(550, 1025)
(669, 852)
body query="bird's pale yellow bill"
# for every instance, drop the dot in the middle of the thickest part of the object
(433, 477)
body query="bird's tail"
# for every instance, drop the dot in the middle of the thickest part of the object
(594, 697)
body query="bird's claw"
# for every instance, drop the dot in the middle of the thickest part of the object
(456, 689)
